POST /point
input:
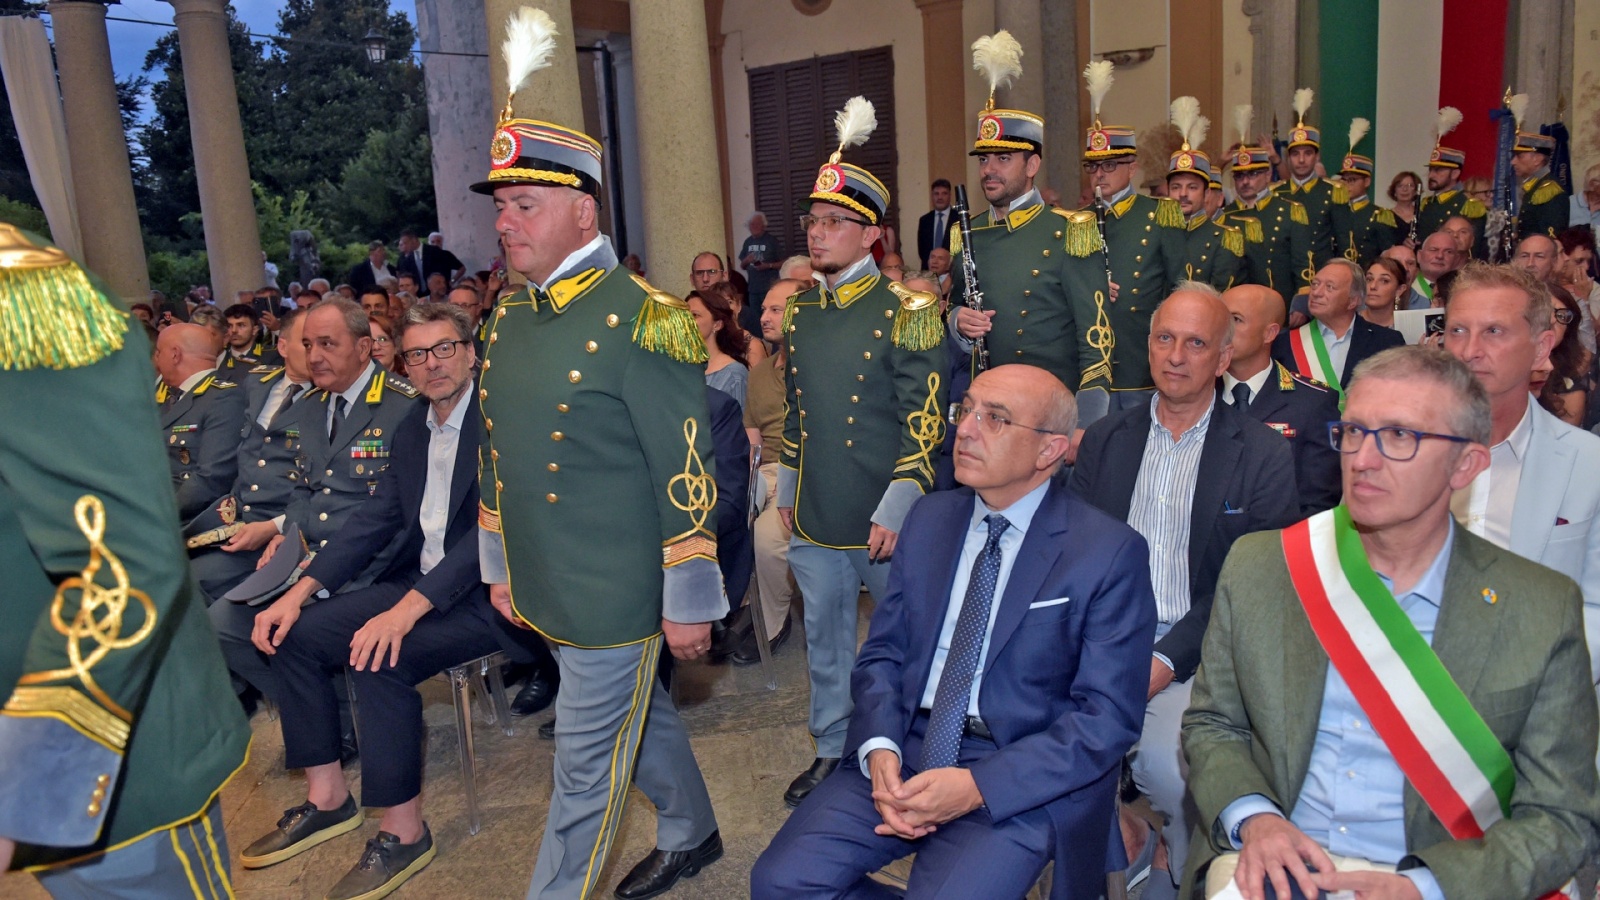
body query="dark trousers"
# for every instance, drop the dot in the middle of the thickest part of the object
(827, 847)
(388, 707)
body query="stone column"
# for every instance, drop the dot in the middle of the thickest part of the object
(945, 58)
(682, 187)
(1060, 67)
(1273, 70)
(461, 115)
(1539, 39)
(102, 183)
(233, 242)
(552, 93)
(1024, 19)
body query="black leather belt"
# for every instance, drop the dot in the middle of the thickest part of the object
(975, 728)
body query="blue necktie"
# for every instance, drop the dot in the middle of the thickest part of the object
(948, 719)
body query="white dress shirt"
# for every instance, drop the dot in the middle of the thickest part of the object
(1485, 506)
(1256, 383)
(349, 394)
(443, 438)
(275, 396)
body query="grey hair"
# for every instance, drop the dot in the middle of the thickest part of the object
(1358, 279)
(1061, 410)
(923, 274)
(428, 313)
(1206, 290)
(758, 214)
(355, 318)
(1469, 411)
(790, 264)
(312, 285)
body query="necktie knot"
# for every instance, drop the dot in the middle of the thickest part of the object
(997, 527)
(1241, 396)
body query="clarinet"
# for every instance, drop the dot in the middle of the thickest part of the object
(972, 295)
(1105, 247)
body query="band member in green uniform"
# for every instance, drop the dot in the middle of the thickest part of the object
(1448, 199)
(1213, 253)
(1372, 227)
(1543, 206)
(1276, 229)
(1327, 202)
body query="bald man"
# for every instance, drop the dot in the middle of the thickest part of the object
(1292, 405)
(202, 416)
(1437, 257)
(1191, 475)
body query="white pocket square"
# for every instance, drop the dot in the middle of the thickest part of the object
(1043, 603)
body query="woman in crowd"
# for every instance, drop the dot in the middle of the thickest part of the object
(1577, 272)
(1386, 286)
(1563, 384)
(1405, 190)
(1478, 188)
(728, 368)
(755, 347)
(385, 344)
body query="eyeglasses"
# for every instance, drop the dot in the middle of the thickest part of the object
(987, 422)
(381, 339)
(1109, 165)
(705, 273)
(829, 223)
(441, 350)
(1394, 442)
(1565, 316)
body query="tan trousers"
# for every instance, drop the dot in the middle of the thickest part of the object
(773, 578)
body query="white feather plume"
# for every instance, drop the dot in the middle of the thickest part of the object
(999, 58)
(854, 124)
(1242, 114)
(1185, 110)
(1197, 134)
(1302, 102)
(1448, 118)
(530, 42)
(1519, 108)
(1358, 130)
(1097, 75)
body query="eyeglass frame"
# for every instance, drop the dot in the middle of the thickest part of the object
(1091, 166)
(1334, 441)
(808, 221)
(959, 411)
(424, 352)
(705, 273)
(1560, 311)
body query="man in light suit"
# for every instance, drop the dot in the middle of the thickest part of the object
(933, 229)
(999, 686)
(1539, 497)
(1285, 763)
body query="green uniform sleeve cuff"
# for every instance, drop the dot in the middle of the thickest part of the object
(55, 782)
(896, 502)
(492, 558)
(788, 486)
(691, 592)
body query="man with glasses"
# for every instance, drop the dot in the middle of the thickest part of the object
(1538, 497)
(1192, 475)
(861, 435)
(707, 271)
(1388, 704)
(1277, 229)
(1012, 602)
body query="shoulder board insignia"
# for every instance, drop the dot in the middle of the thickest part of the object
(1544, 192)
(1277, 186)
(1341, 194)
(1020, 217)
(1252, 229)
(917, 325)
(1473, 208)
(665, 325)
(223, 385)
(375, 387)
(1385, 216)
(1297, 213)
(1310, 382)
(1168, 213)
(266, 370)
(401, 385)
(1232, 240)
(1082, 232)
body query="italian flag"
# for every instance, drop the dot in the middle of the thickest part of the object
(1311, 356)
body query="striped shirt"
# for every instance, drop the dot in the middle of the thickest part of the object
(1162, 498)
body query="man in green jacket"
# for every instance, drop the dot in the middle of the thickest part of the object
(1277, 230)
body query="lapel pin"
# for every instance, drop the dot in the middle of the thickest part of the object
(1490, 597)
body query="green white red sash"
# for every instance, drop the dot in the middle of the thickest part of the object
(1443, 746)
(1311, 355)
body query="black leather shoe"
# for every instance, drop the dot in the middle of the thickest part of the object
(537, 693)
(301, 828)
(801, 787)
(349, 750)
(749, 654)
(661, 869)
(547, 731)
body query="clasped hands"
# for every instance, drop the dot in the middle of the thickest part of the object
(917, 807)
(1274, 849)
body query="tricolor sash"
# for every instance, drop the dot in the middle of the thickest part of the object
(1446, 750)
(1311, 356)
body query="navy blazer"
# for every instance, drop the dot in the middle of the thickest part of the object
(1368, 340)
(390, 516)
(1301, 412)
(1246, 483)
(1064, 683)
(927, 241)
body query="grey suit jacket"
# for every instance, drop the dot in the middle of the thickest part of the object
(1556, 519)
(1252, 718)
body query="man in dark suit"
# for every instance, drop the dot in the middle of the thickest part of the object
(425, 612)
(1292, 405)
(1191, 475)
(366, 273)
(998, 688)
(1330, 346)
(422, 260)
(933, 229)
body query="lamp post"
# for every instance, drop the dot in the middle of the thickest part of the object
(376, 46)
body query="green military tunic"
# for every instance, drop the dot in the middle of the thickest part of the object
(1277, 242)
(1037, 266)
(596, 462)
(1373, 229)
(1213, 253)
(1545, 208)
(202, 426)
(119, 719)
(1327, 206)
(1145, 244)
(866, 396)
(1436, 209)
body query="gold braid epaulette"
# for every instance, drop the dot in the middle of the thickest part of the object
(1341, 194)
(1545, 192)
(51, 315)
(1297, 212)
(665, 325)
(1252, 230)
(1168, 213)
(1232, 240)
(917, 325)
(1082, 238)
(1473, 208)
(1384, 216)
(788, 313)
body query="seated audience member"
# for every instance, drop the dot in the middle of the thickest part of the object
(374, 300)
(1292, 405)
(796, 267)
(1330, 346)
(1538, 496)
(1436, 257)
(1542, 256)
(243, 345)
(939, 264)
(438, 288)
(1564, 383)
(1387, 288)
(201, 413)
(1577, 273)
(1455, 743)
(1460, 229)
(998, 688)
(144, 312)
(407, 282)
(426, 611)
(893, 267)
(1192, 476)
(385, 343)
(726, 343)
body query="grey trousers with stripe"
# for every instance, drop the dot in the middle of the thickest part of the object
(184, 861)
(615, 726)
